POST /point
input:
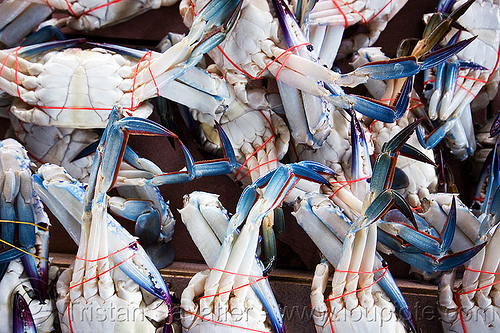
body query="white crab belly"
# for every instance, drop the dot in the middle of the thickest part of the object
(78, 88)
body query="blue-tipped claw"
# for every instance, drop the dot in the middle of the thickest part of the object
(147, 227)
(437, 57)
(399, 140)
(379, 206)
(217, 18)
(414, 153)
(216, 167)
(400, 180)
(430, 263)
(403, 99)
(22, 320)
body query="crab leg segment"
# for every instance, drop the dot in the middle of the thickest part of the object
(116, 140)
(113, 143)
(18, 214)
(360, 159)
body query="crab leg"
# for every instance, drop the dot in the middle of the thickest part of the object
(304, 111)
(15, 205)
(115, 138)
(193, 170)
(207, 31)
(55, 187)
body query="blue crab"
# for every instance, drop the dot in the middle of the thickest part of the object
(221, 288)
(24, 263)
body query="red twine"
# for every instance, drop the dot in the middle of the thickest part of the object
(365, 21)
(385, 268)
(70, 9)
(287, 52)
(257, 279)
(347, 182)
(106, 271)
(458, 294)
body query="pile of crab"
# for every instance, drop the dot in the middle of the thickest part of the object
(255, 82)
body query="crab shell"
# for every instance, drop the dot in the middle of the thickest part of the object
(76, 88)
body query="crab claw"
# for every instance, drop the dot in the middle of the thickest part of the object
(437, 57)
(220, 17)
(379, 206)
(400, 179)
(430, 263)
(416, 154)
(489, 210)
(216, 167)
(38, 280)
(403, 98)
(440, 24)
(384, 169)
(389, 69)
(408, 66)
(222, 166)
(436, 135)
(371, 108)
(147, 217)
(22, 319)
(399, 140)
(360, 165)
(425, 242)
(111, 148)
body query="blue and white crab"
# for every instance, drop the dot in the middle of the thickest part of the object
(214, 298)
(358, 268)
(25, 272)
